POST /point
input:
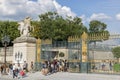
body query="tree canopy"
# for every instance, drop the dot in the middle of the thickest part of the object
(9, 28)
(97, 26)
(55, 27)
(116, 52)
(99, 29)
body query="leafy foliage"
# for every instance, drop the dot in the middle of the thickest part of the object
(116, 67)
(116, 52)
(55, 27)
(98, 29)
(97, 26)
(9, 28)
(36, 29)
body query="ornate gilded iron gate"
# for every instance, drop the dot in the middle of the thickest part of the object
(78, 54)
(52, 50)
(74, 50)
(43, 52)
(74, 56)
(82, 55)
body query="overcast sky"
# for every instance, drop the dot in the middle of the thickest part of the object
(107, 11)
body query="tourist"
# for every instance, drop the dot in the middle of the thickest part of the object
(44, 68)
(14, 71)
(60, 66)
(10, 69)
(25, 66)
(66, 66)
(103, 65)
(52, 67)
(18, 70)
(110, 65)
(2, 69)
(32, 66)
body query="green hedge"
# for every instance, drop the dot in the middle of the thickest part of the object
(116, 67)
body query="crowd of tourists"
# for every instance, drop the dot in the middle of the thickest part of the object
(49, 67)
(17, 71)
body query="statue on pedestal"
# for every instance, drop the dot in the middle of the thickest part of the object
(24, 47)
(25, 27)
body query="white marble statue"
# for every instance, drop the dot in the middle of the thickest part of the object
(25, 27)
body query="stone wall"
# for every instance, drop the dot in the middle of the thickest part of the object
(9, 54)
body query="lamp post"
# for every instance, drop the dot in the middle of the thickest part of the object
(5, 41)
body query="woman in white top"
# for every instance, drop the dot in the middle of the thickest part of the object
(14, 71)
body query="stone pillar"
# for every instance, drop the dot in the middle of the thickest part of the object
(24, 49)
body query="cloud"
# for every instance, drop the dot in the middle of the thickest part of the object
(19, 9)
(99, 16)
(84, 18)
(118, 16)
(63, 10)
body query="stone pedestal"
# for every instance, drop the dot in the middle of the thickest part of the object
(24, 49)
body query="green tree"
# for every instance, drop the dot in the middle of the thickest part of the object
(9, 28)
(78, 26)
(55, 27)
(36, 29)
(97, 26)
(116, 52)
(46, 25)
(99, 29)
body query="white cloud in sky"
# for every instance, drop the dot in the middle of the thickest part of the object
(118, 16)
(84, 18)
(94, 16)
(99, 16)
(19, 9)
(63, 10)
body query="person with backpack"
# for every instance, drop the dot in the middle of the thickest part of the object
(10, 69)
(14, 71)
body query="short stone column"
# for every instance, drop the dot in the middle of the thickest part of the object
(24, 49)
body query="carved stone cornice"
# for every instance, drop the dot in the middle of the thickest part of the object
(25, 39)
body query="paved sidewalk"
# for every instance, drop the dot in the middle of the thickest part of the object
(65, 76)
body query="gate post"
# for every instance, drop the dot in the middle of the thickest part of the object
(38, 54)
(84, 62)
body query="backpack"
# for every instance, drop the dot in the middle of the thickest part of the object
(22, 73)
